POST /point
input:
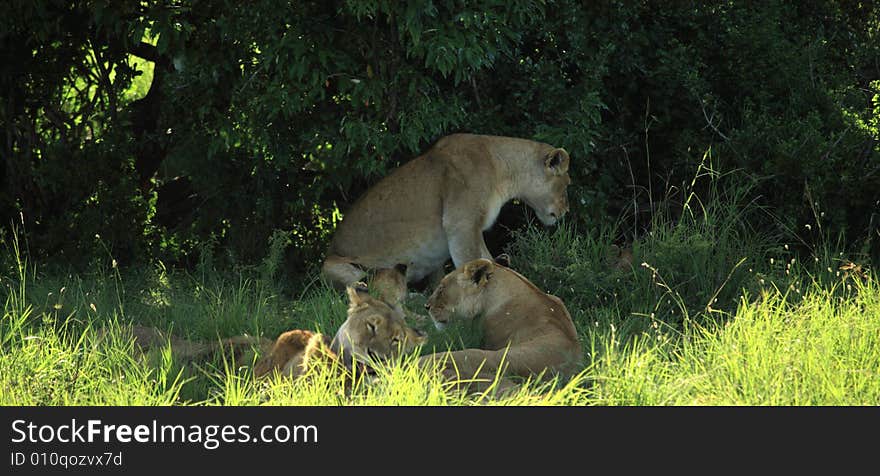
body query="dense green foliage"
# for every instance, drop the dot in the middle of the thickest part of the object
(172, 127)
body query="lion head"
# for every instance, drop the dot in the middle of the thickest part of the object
(375, 329)
(546, 191)
(461, 293)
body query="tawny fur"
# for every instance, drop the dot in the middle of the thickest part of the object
(374, 328)
(240, 348)
(436, 206)
(526, 332)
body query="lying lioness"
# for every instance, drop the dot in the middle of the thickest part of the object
(375, 330)
(525, 331)
(437, 205)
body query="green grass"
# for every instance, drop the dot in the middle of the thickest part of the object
(822, 350)
(710, 313)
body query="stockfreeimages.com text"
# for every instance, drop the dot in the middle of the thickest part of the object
(209, 436)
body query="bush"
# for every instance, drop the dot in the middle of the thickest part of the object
(689, 269)
(166, 125)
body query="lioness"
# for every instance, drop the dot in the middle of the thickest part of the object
(374, 330)
(524, 329)
(437, 205)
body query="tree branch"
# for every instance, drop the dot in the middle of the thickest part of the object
(149, 52)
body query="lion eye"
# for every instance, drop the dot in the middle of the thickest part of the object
(371, 327)
(395, 340)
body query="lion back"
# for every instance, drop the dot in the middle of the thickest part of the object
(287, 351)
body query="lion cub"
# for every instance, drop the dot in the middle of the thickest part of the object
(526, 331)
(375, 330)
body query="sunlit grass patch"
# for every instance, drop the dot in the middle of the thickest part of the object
(50, 366)
(823, 349)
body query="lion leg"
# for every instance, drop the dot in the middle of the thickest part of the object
(243, 349)
(148, 338)
(465, 240)
(340, 271)
(467, 247)
(474, 369)
(543, 354)
(478, 368)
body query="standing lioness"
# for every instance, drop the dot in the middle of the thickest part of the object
(437, 205)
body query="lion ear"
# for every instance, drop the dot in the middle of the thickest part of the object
(479, 271)
(503, 259)
(557, 161)
(375, 320)
(356, 293)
